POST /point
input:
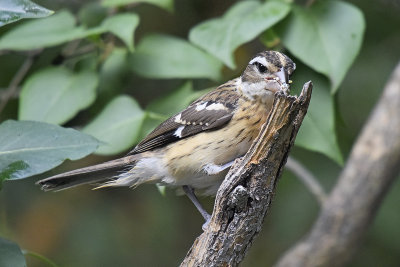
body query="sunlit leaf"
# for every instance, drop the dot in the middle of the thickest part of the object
(123, 26)
(166, 4)
(28, 148)
(55, 95)
(14, 10)
(118, 125)
(317, 132)
(162, 56)
(11, 254)
(242, 23)
(326, 36)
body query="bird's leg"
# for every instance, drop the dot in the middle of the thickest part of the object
(212, 169)
(190, 193)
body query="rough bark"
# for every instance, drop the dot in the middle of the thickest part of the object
(245, 195)
(373, 165)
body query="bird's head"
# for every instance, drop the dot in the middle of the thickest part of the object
(266, 73)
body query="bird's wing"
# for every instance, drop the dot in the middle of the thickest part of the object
(210, 112)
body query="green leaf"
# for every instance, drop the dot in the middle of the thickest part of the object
(326, 36)
(150, 122)
(123, 26)
(166, 4)
(118, 125)
(28, 148)
(162, 56)
(55, 95)
(92, 14)
(14, 10)
(317, 132)
(241, 23)
(114, 68)
(46, 32)
(62, 28)
(174, 102)
(11, 254)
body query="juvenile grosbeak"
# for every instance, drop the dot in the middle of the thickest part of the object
(196, 147)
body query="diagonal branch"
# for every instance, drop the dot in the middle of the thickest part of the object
(245, 195)
(307, 178)
(373, 165)
(16, 80)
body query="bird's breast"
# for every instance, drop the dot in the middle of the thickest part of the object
(186, 158)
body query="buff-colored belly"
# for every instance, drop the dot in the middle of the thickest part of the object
(187, 158)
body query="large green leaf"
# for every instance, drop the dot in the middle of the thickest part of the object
(241, 23)
(317, 133)
(11, 254)
(112, 72)
(118, 125)
(61, 28)
(326, 36)
(13, 10)
(46, 32)
(28, 148)
(123, 26)
(166, 4)
(55, 95)
(162, 56)
(174, 102)
(92, 14)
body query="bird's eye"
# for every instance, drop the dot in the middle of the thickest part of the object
(261, 68)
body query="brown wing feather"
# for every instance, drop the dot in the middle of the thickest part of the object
(194, 119)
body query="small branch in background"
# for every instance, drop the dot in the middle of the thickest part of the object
(73, 51)
(308, 179)
(16, 80)
(246, 193)
(373, 165)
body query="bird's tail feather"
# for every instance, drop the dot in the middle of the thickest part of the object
(89, 175)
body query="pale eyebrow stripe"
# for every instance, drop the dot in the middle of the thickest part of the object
(262, 60)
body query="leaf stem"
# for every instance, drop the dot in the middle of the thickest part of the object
(156, 116)
(308, 179)
(39, 257)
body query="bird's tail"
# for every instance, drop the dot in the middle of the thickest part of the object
(89, 175)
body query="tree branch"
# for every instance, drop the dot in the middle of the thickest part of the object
(307, 178)
(245, 195)
(373, 165)
(16, 80)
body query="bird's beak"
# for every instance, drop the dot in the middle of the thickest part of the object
(282, 75)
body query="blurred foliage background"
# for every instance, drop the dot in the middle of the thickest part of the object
(88, 72)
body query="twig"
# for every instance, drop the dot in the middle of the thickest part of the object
(308, 179)
(245, 195)
(16, 80)
(374, 163)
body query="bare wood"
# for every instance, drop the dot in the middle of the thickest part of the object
(245, 195)
(373, 165)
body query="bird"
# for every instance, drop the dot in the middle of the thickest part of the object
(195, 148)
